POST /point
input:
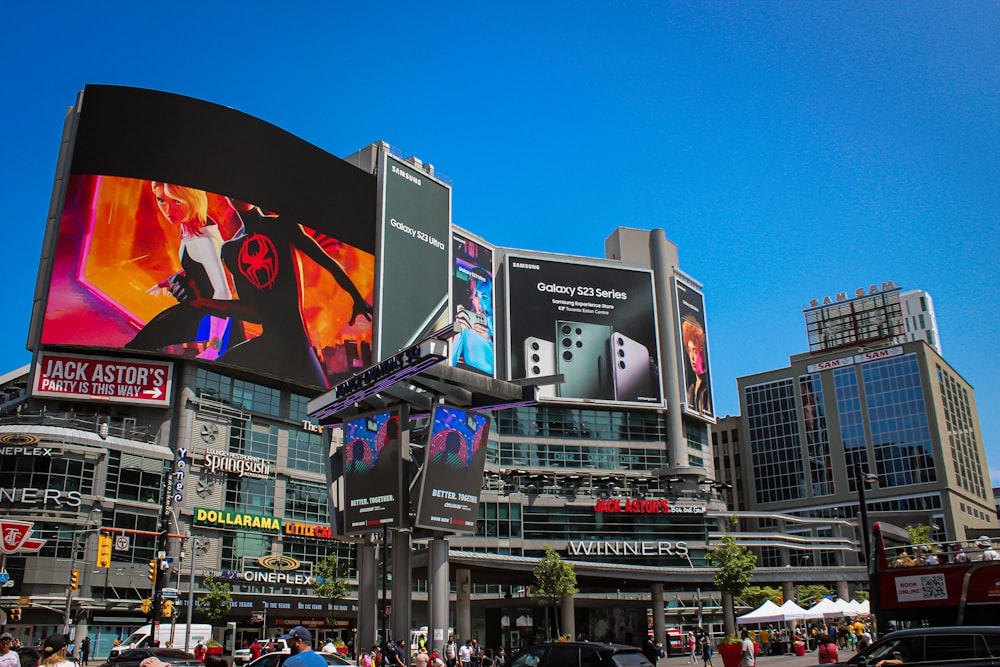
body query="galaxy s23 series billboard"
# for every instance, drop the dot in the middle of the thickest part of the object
(416, 232)
(695, 374)
(594, 324)
(453, 470)
(473, 346)
(194, 230)
(374, 463)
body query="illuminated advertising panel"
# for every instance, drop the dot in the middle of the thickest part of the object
(193, 230)
(416, 230)
(695, 374)
(473, 346)
(373, 472)
(594, 324)
(135, 381)
(453, 470)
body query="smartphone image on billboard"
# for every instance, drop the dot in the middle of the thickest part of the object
(632, 368)
(540, 360)
(582, 356)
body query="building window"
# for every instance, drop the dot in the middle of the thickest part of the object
(305, 450)
(241, 550)
(132, 477)
(60, 473)
(142, 548)
(817, 438)
(307, 502)
(259, 440)
(852, 425)
(317, 551)
(901, 437)
(251, 496)
(773, 430)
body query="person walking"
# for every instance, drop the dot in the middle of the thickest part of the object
(706, 650)
(300, 644)
(8, 658)
(450, 651)
(85, 651)
(747, 650)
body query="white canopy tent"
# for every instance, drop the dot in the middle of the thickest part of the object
(826, 608)
(793, 612)
(766, 613)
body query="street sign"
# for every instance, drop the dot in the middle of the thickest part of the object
(4, 576)
(24, 601)
(121, 542)
(169, 593)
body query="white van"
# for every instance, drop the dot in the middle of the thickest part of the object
(143, 637)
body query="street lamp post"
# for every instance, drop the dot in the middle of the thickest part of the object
(93, 517)
(862, 480)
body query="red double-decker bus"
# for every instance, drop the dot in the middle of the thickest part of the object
(911, 588)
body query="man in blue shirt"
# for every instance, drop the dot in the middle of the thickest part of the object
(300, 644)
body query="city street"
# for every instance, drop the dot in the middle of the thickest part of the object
(808, 660)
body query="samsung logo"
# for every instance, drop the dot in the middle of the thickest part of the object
(523, 265)
(399, 172)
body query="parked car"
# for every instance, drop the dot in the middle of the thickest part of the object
(972, 646)
(133, 656)
(579, 654)
(278, 658)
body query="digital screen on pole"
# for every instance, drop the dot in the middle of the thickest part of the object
(473, 346)
(695, 373)
(453, 470)
(192, 230)
(594, 324)
(373, 472)
(416, 230)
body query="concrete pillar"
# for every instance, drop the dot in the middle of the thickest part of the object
(463, 604)
(402, 585)
(663, 258)
(367, 595)
(568, 617)
(659, 620)
(438, 594)
(842, 591)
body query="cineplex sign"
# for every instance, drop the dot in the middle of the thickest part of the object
(259, 523)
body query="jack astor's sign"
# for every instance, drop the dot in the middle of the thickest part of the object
(218, 461)
(644, 506)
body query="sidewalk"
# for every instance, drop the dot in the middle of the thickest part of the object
(808, 660)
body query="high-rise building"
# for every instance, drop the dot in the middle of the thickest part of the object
(918, 316)
(899, 411)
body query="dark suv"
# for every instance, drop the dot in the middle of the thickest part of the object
(971, 646)
(579, 654)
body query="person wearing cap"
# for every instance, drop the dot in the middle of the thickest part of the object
(54, 652)
(300, 644)
(957, 554)
(8, 658)
(989, 553)
(927, 557)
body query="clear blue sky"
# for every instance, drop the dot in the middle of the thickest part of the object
(791, 149)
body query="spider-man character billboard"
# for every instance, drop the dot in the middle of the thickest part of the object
(191, 229)
(374, 463)
(453, 470)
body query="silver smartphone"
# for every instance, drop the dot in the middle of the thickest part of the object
(540, 360)
(582, 356)
(634, 370)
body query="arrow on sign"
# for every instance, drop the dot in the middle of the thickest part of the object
(155, 392)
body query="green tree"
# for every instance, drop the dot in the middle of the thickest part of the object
(555, 580)
(331, 582)
(809, 595)
(734, 565)
(755, 596)
(919, 534)
(861, 596)
(218, 600)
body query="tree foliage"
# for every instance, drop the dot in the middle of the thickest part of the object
(811, 594)
(734, 565)
(755, 596)
(555, 579)
(331, 582)
(218, 600)
(919, 534)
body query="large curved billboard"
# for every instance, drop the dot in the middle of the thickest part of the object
(190, 229)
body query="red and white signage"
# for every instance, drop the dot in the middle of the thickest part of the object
(15, 537)
(63, 375)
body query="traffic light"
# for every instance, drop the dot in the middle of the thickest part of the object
(154, 565)
(74, 580)
(168, 608)
(104, 550)
(15, 614)
(146, 604)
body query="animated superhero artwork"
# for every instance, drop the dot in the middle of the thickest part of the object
(453, 471)
(373, 465)
(159, 267)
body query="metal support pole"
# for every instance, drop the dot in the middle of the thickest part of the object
(195, 542)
